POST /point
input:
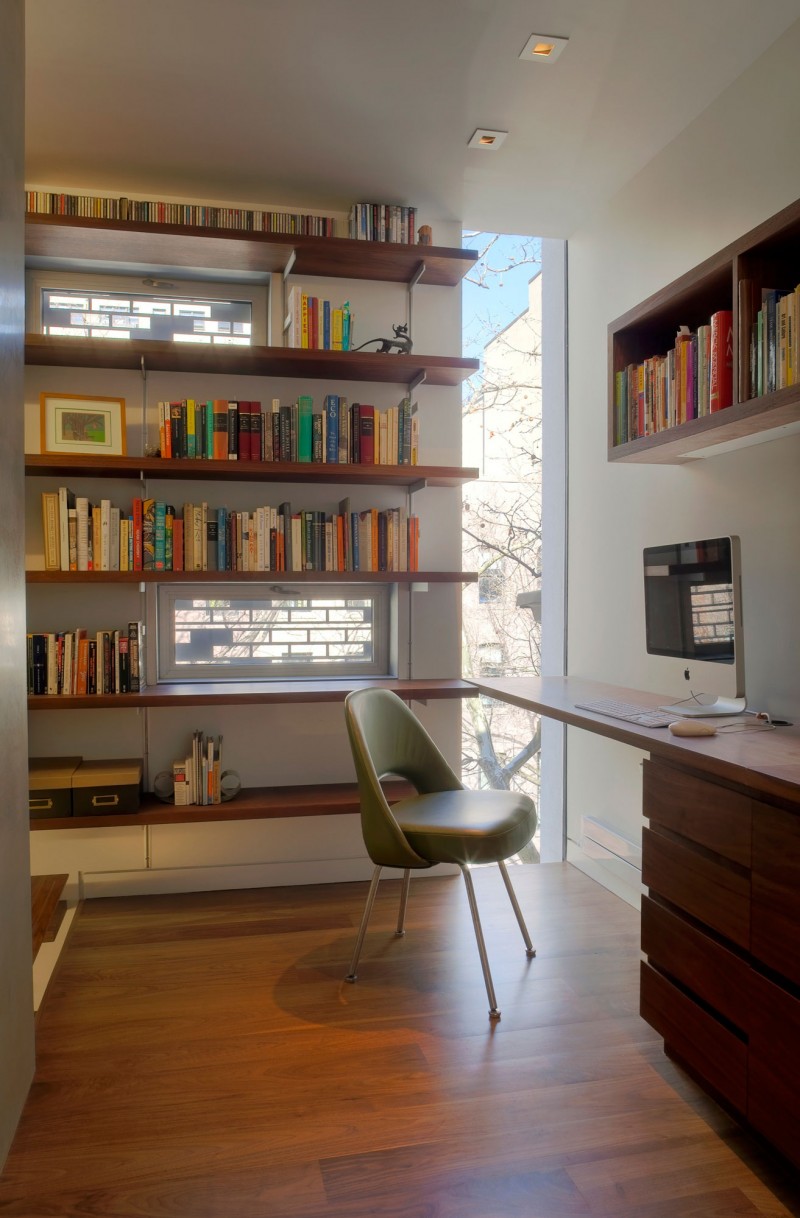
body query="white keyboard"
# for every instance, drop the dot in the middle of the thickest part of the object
(642, 716)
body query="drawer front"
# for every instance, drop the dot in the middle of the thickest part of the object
(776, 890)
(710, 1049)
(773, 1101)
(704, 887)
(714, 973)
(701, 811)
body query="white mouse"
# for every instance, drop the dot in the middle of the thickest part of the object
(692, 727)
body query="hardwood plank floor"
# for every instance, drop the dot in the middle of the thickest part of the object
(200, 1056)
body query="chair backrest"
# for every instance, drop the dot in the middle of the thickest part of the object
(387, 738)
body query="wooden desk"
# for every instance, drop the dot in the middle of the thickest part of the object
(721, 917)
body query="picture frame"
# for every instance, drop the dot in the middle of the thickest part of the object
(82, 423)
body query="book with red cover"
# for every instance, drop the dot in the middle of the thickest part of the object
(138, 554)
(721, 392)
(366, 442)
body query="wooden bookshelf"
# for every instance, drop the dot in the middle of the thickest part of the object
(255, 803)
(767, 257)
(255, 693)
(72, 242)
(62, 465)
(47, 351)
(114, 242)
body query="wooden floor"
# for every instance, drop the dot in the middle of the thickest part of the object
(201, 1057)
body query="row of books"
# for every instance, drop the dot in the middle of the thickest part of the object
(71, 662)
(340, 433)
(197, 778)
(383, 222)
(49, 203)
(769, 338)
(155, 536)
(316, 324)
(693, 379)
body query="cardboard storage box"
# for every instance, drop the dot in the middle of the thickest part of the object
(107, 788)
(50, 786)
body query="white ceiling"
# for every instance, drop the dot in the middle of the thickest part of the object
(317, 103)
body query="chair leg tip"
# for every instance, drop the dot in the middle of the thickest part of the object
(398, 934)
(494, 1013)
(531, 953)
(351, 977)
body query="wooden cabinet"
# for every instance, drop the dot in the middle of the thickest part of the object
(766, 258)
(720, 930)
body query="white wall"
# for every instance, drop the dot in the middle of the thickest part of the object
(266, 745)
(730, 170)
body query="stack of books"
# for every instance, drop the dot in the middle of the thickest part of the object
(383, 222)
(157, 536)
(317, 324)
(340, 433)
(197, 777)
(70, 662)
(693, 379)
(197, 215)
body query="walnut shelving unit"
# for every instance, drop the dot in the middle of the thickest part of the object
(61, 242)
(769, 256)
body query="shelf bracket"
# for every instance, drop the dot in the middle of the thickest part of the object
(419, 485)
(412, 283)
(290, 261)
(416, 381)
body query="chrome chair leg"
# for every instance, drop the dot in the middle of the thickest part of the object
(476, 922)
(401, 917)
(362, 930)
(531, 950)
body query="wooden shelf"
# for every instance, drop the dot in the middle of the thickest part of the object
(61, 465)
(256, 803)
(47, 908)
(254, 693)
(766, 257)
(75, 240)
(46, 351)
(764, 418)
(251, 577)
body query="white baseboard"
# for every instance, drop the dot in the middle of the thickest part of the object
(148, 881)
(618, 876)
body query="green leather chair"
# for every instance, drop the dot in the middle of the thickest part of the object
(442, 823)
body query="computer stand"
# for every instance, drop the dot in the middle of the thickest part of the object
(695, 708)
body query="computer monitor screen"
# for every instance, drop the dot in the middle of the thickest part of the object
(692, 598)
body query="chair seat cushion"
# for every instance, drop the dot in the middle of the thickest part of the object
(467, 826)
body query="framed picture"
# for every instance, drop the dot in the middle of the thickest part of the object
(81, 424)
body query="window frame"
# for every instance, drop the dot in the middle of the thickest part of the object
(256, 294)
(168, 671)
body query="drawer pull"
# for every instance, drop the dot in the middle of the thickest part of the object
(105, 801)
(40, 805)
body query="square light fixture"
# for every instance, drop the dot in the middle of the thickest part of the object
(542, 48)
(489, 140)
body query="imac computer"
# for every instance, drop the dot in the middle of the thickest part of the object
(693, 619)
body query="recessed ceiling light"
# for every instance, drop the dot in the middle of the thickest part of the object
(482, 138)
(542, 48)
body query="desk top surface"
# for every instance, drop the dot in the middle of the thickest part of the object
(765, 762)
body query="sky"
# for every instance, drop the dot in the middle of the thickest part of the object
(487, 310)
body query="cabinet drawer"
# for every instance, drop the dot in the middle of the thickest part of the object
(773, 1099)
(701, 811)
(713, 1052)
(776, 890)
(704, 887)
(714, 973)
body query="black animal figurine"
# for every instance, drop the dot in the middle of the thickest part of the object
(401, 343)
